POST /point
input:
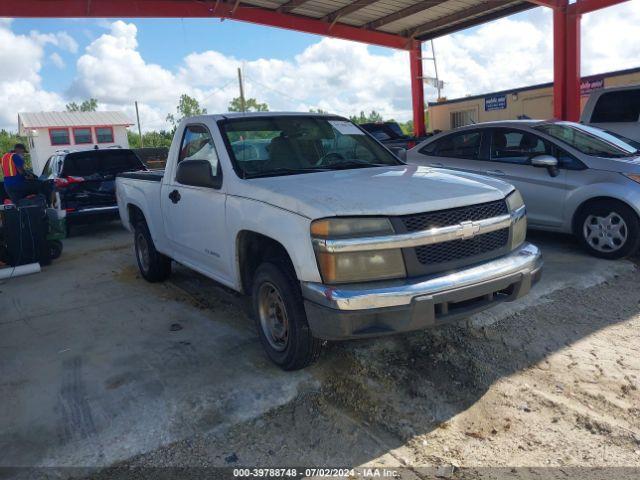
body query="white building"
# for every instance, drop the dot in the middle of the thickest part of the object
(49, 132)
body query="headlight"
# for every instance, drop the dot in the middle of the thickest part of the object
(633, 176)
(519, 216)
(356, 266)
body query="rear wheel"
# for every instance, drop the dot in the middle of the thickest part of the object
(55, 249)
(281, 319)
(154, 266)
(608, 229)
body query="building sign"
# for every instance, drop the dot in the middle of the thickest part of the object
(497, 102)
(588, 86)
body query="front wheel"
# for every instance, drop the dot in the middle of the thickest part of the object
(281, 319)
(608, 229)
(154, 266)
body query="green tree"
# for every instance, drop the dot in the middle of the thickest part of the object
(250, 105)
(187, 107)
(90, 105)
(317, 110)
(363, 118)
(160, 138)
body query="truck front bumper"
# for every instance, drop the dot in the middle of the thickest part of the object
(371, 309)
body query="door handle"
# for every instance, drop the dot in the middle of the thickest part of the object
(436, 165)
(495, 173)
(175, 196)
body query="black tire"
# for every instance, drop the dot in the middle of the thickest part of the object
(608, 242)
(55, 249)
(300, 348)
(154, 266)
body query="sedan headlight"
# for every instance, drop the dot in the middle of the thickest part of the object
(360, 266)
(519, 218)
(633, 176)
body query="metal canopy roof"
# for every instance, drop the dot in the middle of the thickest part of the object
(417, 19)
(390, 23)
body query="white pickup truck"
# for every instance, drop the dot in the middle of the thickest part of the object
(332, 235)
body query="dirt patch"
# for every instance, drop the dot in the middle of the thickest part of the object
(555, 385)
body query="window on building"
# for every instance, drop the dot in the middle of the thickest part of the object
(460, 145)
(82, 135)
(621, 106)
(463, 117)
(59, 136)
(104, 134)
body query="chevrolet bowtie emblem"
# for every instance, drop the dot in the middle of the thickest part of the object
(468, 229)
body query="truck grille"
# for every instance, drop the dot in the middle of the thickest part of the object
(455, 253)
(453, 216)
(460, 249)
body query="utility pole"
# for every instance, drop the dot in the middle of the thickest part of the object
(242, 105)
(435, 66)
(139, 127)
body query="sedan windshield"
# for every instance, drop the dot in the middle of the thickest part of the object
(589, 140)
(287, 145)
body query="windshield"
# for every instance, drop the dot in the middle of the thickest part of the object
(286, 145)
(589, 140)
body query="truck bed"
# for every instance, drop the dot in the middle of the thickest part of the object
(150, 176)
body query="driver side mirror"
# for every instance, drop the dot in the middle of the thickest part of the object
(197, 173)
(546, 161)
(399, 152)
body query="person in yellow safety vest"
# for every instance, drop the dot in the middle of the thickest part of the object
(16, 182)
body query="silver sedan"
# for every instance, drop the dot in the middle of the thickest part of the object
(573, 178)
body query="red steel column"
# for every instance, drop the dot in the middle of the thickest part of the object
(417, 88)
(566, 64)
(559, 48)
(572, 61)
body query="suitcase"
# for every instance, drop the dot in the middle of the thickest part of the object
(24, 233)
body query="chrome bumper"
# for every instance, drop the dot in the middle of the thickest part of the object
(526, 259)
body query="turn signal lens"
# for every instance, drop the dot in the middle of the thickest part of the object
(633, 176)
(350, 227)
(361, 266)
(519, 225)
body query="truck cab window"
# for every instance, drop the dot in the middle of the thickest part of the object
(621, 106)
(197, 144)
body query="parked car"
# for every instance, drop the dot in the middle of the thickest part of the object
(615, 109)
(85, 181)
(391, 135)
(573, 178)
(332, 235)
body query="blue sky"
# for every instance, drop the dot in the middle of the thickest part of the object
(47, 63)
(238, 39)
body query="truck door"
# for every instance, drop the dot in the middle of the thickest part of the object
(195, 215)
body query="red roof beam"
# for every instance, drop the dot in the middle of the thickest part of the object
(586, 6)
(195, 9)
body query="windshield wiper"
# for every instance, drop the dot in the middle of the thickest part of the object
(356, 164)
(285, 171)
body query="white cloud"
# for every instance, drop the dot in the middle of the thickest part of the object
(61, 40)
(609, 38)
(21, 58)
(57, 60)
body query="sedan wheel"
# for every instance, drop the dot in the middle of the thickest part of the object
(608, 229)
(605, 234)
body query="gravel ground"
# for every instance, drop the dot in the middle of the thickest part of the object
(554, 385)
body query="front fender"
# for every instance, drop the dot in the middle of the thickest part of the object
(627, 192)
(288, 228)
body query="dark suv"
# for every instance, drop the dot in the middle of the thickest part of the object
(85, 181)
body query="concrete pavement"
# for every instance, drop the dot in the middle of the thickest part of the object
(97, 365)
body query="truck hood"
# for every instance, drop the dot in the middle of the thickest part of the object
(393, 190)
